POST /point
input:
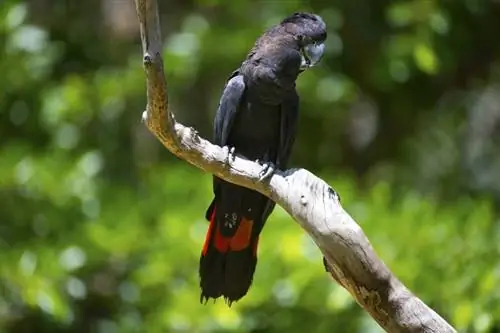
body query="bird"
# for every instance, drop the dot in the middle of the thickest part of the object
(256, 118)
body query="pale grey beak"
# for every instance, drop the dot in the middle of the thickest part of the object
(311, 55)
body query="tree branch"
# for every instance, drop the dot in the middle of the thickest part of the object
(309, 200)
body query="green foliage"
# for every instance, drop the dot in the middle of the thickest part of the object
(143, 253)
(101, 229)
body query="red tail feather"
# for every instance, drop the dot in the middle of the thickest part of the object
(238, 242)
(241, 239)
(227, 263)
(209, 233)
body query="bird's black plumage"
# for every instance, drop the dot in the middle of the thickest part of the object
(257, 115)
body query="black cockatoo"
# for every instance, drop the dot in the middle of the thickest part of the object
(257, 118)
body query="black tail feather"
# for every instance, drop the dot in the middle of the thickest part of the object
(229, 257)
(229, 275)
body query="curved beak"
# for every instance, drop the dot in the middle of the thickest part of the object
(311, 55)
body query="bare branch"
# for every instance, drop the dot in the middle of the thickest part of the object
(309, 200)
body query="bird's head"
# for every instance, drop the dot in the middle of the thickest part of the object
(309, 31)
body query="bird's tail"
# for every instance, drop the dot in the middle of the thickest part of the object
(229, 255)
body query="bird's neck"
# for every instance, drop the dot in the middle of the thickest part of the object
(267, 83)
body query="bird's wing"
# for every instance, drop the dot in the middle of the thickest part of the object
(289, 121)
(229, 105)
(228, 108)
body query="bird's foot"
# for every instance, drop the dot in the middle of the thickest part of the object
(267, 170)
(229, 153)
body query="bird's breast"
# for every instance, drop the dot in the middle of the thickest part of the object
(257, 129)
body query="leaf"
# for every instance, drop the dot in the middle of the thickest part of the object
(425, 58)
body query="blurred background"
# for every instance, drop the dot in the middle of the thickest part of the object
(101, 228)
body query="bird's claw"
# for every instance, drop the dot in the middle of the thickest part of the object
(267, 170)
(229, 153)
